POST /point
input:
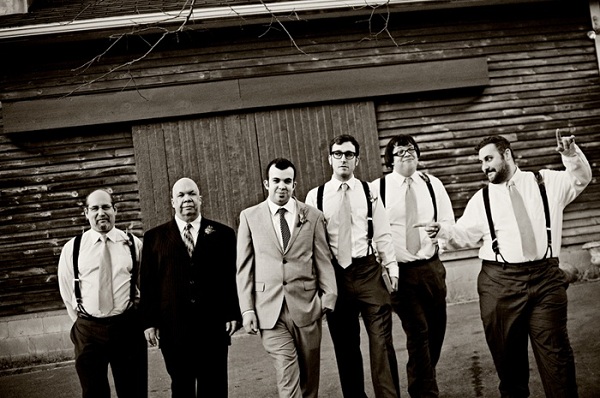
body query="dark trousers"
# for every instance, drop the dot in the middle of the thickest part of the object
(518, 301)
(197, 368)
(420, 302)
(361, 291)
(118, 341)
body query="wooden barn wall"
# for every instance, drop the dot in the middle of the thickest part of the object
(227, 155)
(44, 179)
(543, 74)
(543, 77)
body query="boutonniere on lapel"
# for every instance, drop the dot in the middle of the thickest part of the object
(209, 230)
(301, 216)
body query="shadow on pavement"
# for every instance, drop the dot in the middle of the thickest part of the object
(465, 369)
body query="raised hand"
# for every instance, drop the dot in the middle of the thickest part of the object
(565, 145)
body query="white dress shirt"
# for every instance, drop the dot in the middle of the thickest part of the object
(382, 235)
(395, 191)
(89, 264)
(562, 188)
(194, 230)
(290, 216)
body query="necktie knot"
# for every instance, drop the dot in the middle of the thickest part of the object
(281, 211)
(409, 181)
(344, 187)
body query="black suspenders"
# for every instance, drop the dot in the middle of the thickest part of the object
(488, 213)
(425, 178)
(370, 231)
(77, 282)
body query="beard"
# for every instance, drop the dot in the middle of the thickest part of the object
(500, 174)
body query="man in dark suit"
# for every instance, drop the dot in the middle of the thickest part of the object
(189, 297)
(286, 281)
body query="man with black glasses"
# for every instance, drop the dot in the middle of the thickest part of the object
(411, 197)
(357, 228)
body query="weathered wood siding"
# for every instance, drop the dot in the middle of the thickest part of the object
(543, 76)
(227, 155)
(44, 180)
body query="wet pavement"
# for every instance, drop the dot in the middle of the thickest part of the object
(465, 369)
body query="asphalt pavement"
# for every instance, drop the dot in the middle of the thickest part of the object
(465, 369)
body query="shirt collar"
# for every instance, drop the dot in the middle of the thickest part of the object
(290, 206)
(337, 183)
(401, 179)
(517, 177)
(195, 224)
(112, 235)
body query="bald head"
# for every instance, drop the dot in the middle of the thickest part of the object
(186, 199)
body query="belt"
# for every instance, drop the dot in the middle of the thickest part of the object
(417, 263)
(363, 260)
(105, 320)
(535, 263)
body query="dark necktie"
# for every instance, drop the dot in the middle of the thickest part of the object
(413, 239)
(344, 255)
(188, 239)
(525, 229)
(105, 290)
(285, 229)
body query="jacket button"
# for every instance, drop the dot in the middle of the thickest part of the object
(192, 282)
(284, 283)
(284, 261)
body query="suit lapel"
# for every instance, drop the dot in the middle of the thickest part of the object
(174, 236)
(300, 209)
(200, 240)
(266, 218)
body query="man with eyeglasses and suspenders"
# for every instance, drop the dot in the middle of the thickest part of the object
(522, 290)
(98, 279)
(410, 197)
(358, 232)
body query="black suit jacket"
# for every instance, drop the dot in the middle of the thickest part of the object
(185, 298)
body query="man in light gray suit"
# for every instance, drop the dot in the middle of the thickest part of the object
(285, 280)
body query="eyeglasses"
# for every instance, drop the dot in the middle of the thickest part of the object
(401, 152)
(94, 209)
(348, 155)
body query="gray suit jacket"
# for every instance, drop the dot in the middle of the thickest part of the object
(303, 274)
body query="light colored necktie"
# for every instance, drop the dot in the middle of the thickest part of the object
(413, 239)
(105, 288)
(285, 229)
(344, 255)
(188, 239)
(525, 228)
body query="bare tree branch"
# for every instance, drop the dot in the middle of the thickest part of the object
(188, 9)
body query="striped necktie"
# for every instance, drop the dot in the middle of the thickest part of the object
(188, 239)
